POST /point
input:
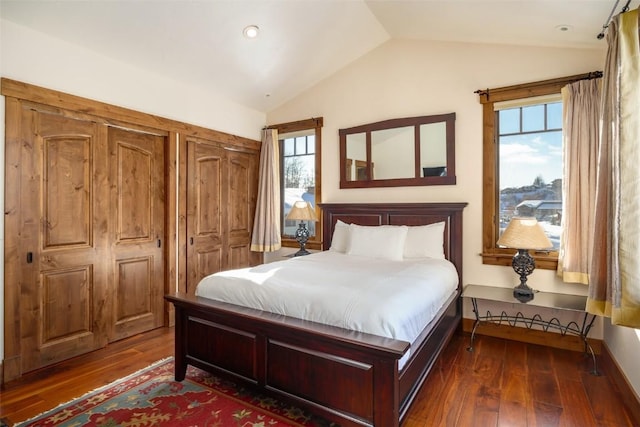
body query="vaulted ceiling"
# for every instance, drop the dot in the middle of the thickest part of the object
(300, 42)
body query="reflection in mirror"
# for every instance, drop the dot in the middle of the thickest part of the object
(433, 149)
(399, 152)
(356, 157)
(392, 152)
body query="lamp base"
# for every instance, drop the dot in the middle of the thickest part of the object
(523, 264)
(302, 252)
(302, 235)
(523, 293)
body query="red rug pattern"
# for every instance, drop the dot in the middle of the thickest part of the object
(151, 397)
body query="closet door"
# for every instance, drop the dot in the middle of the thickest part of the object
(138, 222)
(221, 197)
(206, 207)
(64, 207)
(92, 225)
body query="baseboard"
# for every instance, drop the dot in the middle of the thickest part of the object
(11, 368)
(629, 397)
(532, 336)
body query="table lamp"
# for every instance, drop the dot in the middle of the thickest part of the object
(302, 211)
(524, 234)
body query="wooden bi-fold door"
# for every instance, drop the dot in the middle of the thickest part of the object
(221, 196)
(91, 234)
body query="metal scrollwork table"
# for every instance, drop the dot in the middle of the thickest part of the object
(541, 299)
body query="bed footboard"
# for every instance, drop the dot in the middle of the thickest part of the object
(345, 376)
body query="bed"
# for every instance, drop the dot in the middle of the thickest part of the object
(350, 377)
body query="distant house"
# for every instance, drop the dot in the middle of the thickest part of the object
(543, 210)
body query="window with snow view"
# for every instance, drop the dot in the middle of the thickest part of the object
(530, 164)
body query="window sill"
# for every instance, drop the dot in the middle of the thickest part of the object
(543, 261)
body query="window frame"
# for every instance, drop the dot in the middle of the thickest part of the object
(491, 253)
(314, 242)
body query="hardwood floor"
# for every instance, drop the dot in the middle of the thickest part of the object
(510, 383)
(500, 383)
(46, 388)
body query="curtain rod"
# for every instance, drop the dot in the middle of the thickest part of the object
(560, 82)
(600, 36)
(318, 121)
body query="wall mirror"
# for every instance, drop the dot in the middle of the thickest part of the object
(399, 152)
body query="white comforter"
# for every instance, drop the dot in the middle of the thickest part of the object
(394, 299)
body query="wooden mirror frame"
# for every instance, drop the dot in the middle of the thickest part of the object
(417, 179)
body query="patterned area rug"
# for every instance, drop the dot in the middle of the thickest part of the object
(151, 397)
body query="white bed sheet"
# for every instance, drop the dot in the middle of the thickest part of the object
(394, 299)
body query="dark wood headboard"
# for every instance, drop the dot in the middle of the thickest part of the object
(399, 214)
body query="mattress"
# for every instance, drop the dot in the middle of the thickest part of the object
(394, 299)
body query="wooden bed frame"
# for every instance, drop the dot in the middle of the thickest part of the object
(348, 377)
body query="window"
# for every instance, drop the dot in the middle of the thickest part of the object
(300, 174)
(530, 163)
(522, 164)
(297, 176)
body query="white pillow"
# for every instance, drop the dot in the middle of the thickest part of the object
(425, 241)
(340, 238)
(381, 241)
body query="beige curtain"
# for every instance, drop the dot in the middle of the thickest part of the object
(266, 224)
(614, 280)
(581, 130)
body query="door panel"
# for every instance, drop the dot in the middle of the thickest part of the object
(67, 191)
(240, 174)
(134, 191)
(138, 209)
(64, 278)
(239, 255)
(63, 289)
(209, 261)
(133, 294)
(208, 171)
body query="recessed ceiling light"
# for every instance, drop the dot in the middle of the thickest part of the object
(251, 31)
(564, 28)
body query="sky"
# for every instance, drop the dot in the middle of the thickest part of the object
(523, 157)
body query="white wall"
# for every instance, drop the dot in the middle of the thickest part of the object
(38, 59)
(412, 78)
